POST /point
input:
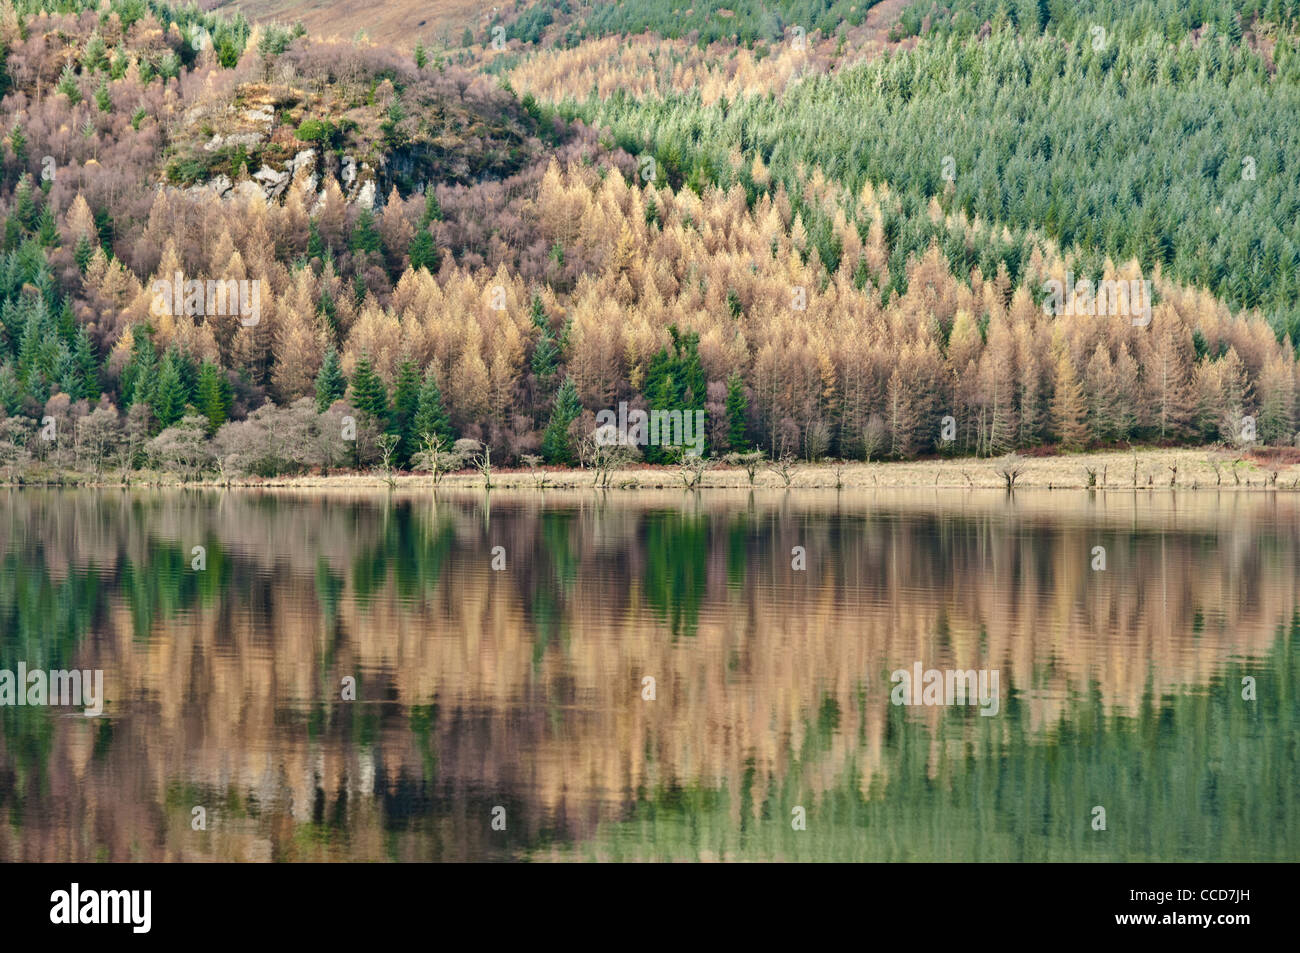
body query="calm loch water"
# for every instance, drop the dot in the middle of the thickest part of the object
(519, 694)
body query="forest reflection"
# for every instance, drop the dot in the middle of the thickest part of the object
(523, 687)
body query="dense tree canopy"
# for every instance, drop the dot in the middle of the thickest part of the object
(832, 267)
(1034, 134)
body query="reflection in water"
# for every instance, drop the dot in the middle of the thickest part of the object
(522, 688)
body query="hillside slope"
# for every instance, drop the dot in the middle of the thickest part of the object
(856, 265)
(396, 22)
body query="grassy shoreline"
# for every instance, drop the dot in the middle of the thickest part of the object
(1147, 469)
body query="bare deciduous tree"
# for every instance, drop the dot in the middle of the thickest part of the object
(604, 453)
(784, 467)
(98, 434)
(533, 462)
(15, 432)
(692, 467)
(1010, 468)
(388, 453)
(183, 448)
(749, 462)
(837, 467)
(481, 460)
(436, 457)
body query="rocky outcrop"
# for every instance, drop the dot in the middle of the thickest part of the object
(270, 184)
(251, 128)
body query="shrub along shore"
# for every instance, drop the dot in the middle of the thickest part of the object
(1203, 468)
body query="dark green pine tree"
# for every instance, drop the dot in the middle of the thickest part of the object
(213, 395)
(430, 416)
(315, 245)
(651, 210)
(13, 232)
(34, 357)
(546, 355)
(172, 394)
(369, 394)
(557, 445)
(331, 385)
(18, 142)
(11, 391)
(737, 410)
(537, 312)
(659, 394)
(423, 253)
(734, 305)
(87, 365)
(1232, 26)
(25, 207)
(65, 371)
(83, 252)
(140, 376)
(105, 227)
(546, 361)
(432, 209)
(693, 389)
(674, 381)
(189, 377)
(365, 237)
(43, 280)
(47, 230)
(406, 403)
(95, 57)
(66, 325)
(1037, 16)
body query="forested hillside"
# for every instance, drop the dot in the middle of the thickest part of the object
(827, 251)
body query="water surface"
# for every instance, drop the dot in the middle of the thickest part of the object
(523, 688)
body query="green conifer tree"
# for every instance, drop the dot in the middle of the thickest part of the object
(96, 55)
(140, 376)
(369, 394)
(18, 142)
(33, 358)
(674, 381)
(171, 394)
(365, 237)
(423, 253)
(26, 210)
(87, 364)
(432, 209)
(315, 244)
(67, 84)
(430, 415)
(406, 403)
(213, 395)
(737, 410)
(331, 385)
(557, 445)
(83, 252)
(47, 229)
